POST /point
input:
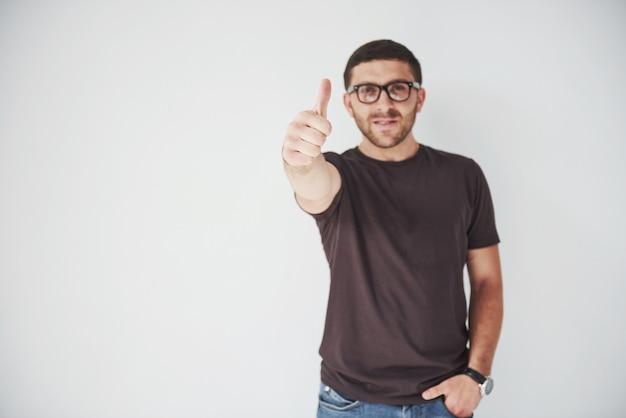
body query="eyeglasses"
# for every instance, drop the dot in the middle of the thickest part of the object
(398, 91)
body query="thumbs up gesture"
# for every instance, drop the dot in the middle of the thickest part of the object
(307, 133)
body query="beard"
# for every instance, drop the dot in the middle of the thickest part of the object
(386, 139)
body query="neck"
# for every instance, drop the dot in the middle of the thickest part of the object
(403, 151)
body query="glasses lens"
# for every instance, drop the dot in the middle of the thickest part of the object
(399, 91)
(368, 93)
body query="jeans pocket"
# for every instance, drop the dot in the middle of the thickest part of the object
(442, 409)
(331, 399)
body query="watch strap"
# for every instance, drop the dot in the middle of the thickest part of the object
(475, 375)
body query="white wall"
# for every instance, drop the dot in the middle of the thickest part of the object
(153, 262)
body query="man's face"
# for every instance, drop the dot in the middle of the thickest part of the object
(385, 123)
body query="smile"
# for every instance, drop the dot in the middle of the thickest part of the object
(385, 123)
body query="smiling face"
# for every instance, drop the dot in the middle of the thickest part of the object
(386, 125)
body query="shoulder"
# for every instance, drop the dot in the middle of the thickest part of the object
(339, 158)
(446, 156)
(450, 162)
(346, 162)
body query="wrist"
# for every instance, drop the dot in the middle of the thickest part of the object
(485, 383)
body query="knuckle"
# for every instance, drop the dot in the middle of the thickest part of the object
(293, 126)
(303, 116)
(454, 411)
(290, 143)
(459, 412)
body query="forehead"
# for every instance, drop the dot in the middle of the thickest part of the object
(381, 72)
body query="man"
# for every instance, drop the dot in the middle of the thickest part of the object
(399, 222)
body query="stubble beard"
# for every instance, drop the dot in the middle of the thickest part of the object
(386, 142)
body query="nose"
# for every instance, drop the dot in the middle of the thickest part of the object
(384, 101)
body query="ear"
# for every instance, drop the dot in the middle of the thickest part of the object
(348, 104)
(421, 97)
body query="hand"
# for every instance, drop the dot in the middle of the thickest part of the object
(461, 394)
(308, 131)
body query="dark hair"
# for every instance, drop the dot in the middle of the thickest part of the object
(383, 49)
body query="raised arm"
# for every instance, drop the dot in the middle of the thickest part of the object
(315, 181)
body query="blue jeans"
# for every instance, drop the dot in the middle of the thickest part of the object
(334, 405)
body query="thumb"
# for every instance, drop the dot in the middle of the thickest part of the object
(323, 97)
(432, 393)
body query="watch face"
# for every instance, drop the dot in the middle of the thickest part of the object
(488, 385)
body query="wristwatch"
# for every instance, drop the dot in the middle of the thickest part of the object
(485, 383)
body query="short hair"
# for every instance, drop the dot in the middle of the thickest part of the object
(382, 49)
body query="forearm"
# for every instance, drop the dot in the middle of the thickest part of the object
(311, 182)
(315, 185)
(485, 323)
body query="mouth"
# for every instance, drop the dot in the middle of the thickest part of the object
(385, 123)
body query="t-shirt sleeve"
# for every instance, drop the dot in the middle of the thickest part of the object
(482, 230)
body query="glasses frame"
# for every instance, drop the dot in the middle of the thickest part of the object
(356, 87)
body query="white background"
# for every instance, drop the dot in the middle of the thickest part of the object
(153, 262)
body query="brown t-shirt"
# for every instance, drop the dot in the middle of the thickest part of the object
(396, 239)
